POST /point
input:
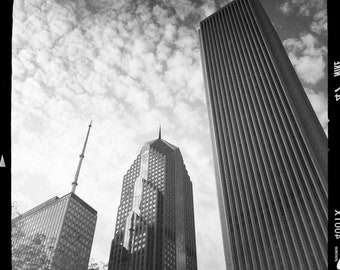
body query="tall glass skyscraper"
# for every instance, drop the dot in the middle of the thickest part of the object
(155, 223)
(57, 234)
(67, 225)
(270, 150)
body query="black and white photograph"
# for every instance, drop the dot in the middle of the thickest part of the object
(170, 135)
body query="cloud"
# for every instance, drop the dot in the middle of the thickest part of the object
(210, 6)
(309, 60)
(286, 8)
(129, 66)
(183, 8)
(306, 7)
(207, 8)
(319, 25)
(188, 117)
(308, 57)
(302, 7)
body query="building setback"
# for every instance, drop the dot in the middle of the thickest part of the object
(155, 222)
(270, 151)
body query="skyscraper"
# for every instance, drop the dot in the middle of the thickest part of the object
(66, 226)
(155, 223)
(56, 234)
(270, 151)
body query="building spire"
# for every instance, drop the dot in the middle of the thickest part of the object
(160, 133)
(75, 182)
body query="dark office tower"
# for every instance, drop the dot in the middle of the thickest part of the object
(155, 222)
(57, 234)
(270, 151)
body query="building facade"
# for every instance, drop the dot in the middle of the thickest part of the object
(66, 226)
(155, 222)
(270, 151)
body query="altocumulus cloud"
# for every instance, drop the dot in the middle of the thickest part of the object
(129, 66)
(307, 54)
(309, 59)
(302, 7)
(309, 8)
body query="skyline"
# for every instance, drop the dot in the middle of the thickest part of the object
(76, 69)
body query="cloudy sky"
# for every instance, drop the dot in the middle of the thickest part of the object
(129, 66)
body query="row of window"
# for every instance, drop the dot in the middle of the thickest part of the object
(46, 221)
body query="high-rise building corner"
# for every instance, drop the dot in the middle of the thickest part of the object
(155, 222)
(56, 234)
(270, 151)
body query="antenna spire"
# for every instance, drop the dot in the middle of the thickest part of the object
(81, 157)
(160, 133)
